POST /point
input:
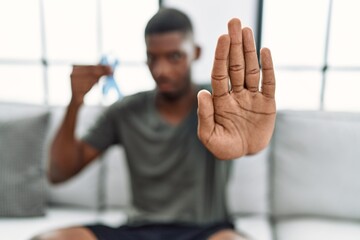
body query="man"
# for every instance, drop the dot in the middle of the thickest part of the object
(174, 136)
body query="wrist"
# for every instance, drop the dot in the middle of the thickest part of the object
(77, 101)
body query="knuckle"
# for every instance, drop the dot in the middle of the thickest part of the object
(236, 67)
(253, 71)
(237, 88)
(253, 88)
(219, 77)
(268, 82)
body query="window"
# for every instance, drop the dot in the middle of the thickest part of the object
(314, 45)
(315, 50)
(20, 52)
(42, 39)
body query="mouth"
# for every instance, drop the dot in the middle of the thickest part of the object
(165, 86)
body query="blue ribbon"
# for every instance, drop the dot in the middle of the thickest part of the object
(110, 82)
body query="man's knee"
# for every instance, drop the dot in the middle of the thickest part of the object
(66, 234)
(226, 235)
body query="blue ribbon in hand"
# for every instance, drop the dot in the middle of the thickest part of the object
(110, 82)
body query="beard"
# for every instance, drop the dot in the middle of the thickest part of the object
(173, 96)
(176, 93)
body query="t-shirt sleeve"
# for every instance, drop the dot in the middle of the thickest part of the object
(105, 131)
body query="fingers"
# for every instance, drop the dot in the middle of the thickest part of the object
(97, 70)
(236, 55)
(206, 122)
(268, 75)
(84, 77)
(243, 61)
(219, 76)
(252, 70)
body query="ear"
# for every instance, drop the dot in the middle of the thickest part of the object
(197, 52)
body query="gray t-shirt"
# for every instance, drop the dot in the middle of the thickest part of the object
(173, 177)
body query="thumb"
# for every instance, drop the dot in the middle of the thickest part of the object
(206, 122)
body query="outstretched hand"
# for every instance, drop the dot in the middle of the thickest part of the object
(238, 118)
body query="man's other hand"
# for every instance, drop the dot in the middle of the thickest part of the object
(84, 77)
(238, 118)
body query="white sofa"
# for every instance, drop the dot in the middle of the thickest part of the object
(305, 185)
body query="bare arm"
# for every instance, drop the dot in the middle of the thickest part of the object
(67, 154)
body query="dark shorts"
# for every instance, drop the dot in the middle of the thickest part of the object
(168, 231)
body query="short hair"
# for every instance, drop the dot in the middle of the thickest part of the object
(168, 20)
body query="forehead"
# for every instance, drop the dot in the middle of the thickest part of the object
(169, 41)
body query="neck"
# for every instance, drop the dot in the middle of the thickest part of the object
(175, 110)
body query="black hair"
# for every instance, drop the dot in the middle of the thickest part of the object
(167, 20)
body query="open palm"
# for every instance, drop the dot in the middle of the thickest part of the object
(238, 120)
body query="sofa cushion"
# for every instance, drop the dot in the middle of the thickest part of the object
(247, 191)
(316, 164)
(116, 184)
(316, 228)
(113, 217)
(83, 190)
(254, 227)
(22, 175)
(56, 217)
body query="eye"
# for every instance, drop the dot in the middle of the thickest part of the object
(176, 56)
